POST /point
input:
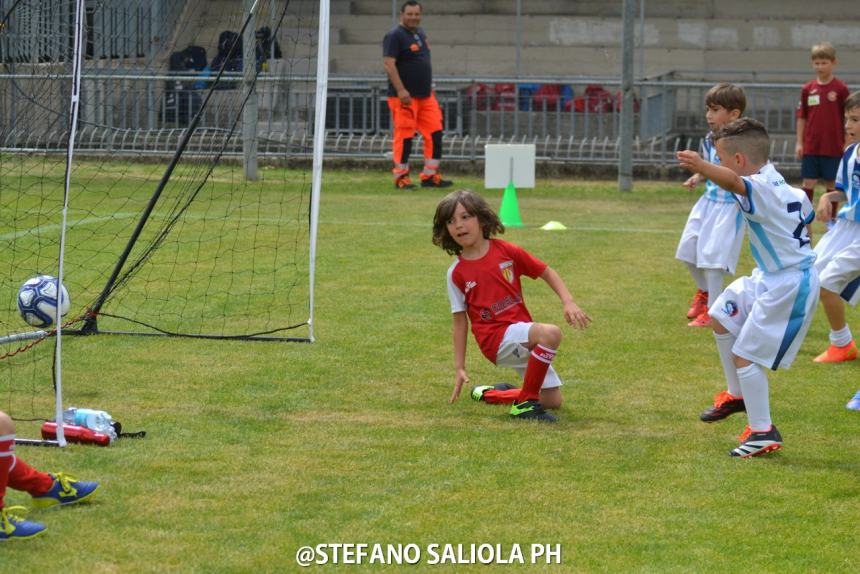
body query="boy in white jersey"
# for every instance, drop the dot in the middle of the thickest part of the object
(712, 238)
(760, 320)
(838, 251)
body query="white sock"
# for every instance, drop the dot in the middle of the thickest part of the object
(724, 346)
(714, 281)
(698, 277)
(754, 384)
(841, 337)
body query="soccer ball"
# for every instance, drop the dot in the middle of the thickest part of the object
(37, 301)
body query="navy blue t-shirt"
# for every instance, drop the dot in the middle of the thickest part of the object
(412, 55)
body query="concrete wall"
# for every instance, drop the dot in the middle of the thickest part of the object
(568, 37)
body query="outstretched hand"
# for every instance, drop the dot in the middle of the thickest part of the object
(690, 160)
(575, 316)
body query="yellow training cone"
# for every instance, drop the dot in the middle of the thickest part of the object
(553, 226)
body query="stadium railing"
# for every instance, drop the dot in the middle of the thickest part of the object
(569, 119)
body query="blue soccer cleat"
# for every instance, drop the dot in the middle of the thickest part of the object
(14, 527)
(66, 490)
(854, 403)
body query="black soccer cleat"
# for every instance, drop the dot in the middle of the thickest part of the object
(724, 406)
(757, 443)
(435, 180)
(532, 410)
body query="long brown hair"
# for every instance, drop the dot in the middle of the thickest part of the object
(473, 203)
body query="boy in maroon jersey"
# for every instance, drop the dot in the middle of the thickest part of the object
(820, 115)
(46, 489)
(484, 288)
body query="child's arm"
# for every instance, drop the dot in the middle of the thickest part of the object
(825, 208)
(722, 176)
(798, 147)
(460, 333)
(574, 316)
(692, 182)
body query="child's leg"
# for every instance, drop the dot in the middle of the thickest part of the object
(544, 340)
(7, 452)
(714, 283)
(730, 401)
(698, 276)
(754, 384)
(24, 477)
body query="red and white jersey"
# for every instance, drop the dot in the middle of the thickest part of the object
(489, 290)
(823, 108)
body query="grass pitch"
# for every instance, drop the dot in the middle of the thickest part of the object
(257, 449)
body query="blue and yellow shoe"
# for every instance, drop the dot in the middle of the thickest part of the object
(66, 490)
(531, 410)
(14, 527)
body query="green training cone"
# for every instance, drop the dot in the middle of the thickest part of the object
(510, 211)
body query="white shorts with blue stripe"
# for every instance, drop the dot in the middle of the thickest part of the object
(769, 313)
(838, 261)
(713, 236)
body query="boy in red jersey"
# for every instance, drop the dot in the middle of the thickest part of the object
(820, 113)
(46, 489)
(484, 288)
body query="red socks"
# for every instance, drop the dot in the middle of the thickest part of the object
(539, 362)
(24, 477)
(7, 456)
(494, 397)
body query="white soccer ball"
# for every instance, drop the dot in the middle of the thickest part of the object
(37, 301)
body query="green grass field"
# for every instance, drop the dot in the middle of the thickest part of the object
(257, 449)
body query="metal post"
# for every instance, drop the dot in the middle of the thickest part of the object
(625, 144)
(250, 113)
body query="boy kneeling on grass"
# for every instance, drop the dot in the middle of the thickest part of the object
(484, 288)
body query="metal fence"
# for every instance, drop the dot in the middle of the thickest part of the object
(569, 119)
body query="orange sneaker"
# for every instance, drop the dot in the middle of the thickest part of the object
(703, 320)
(403, 182)
(699, 304)
(835, 354)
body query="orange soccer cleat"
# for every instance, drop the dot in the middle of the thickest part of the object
(703, 320)
(835, 354)
(699, 304)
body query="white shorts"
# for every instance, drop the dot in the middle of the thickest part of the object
(514, 354)
(838, 261)
(713, 236)
(769, 313)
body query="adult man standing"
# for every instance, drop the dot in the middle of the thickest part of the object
(406, 57)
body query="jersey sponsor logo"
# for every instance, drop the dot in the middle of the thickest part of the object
(414, 47)
(507, 269)
(501, 306)
(471, 285)
(813, 100)
(730, 308)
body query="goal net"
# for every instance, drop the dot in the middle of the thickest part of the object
(191, 189)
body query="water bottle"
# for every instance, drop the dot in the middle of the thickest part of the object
(98, 421)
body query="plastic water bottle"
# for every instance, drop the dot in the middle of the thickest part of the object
(98, 421)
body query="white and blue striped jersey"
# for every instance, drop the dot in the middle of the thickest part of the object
(777, 215)
(848, 182)
(713, 191)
